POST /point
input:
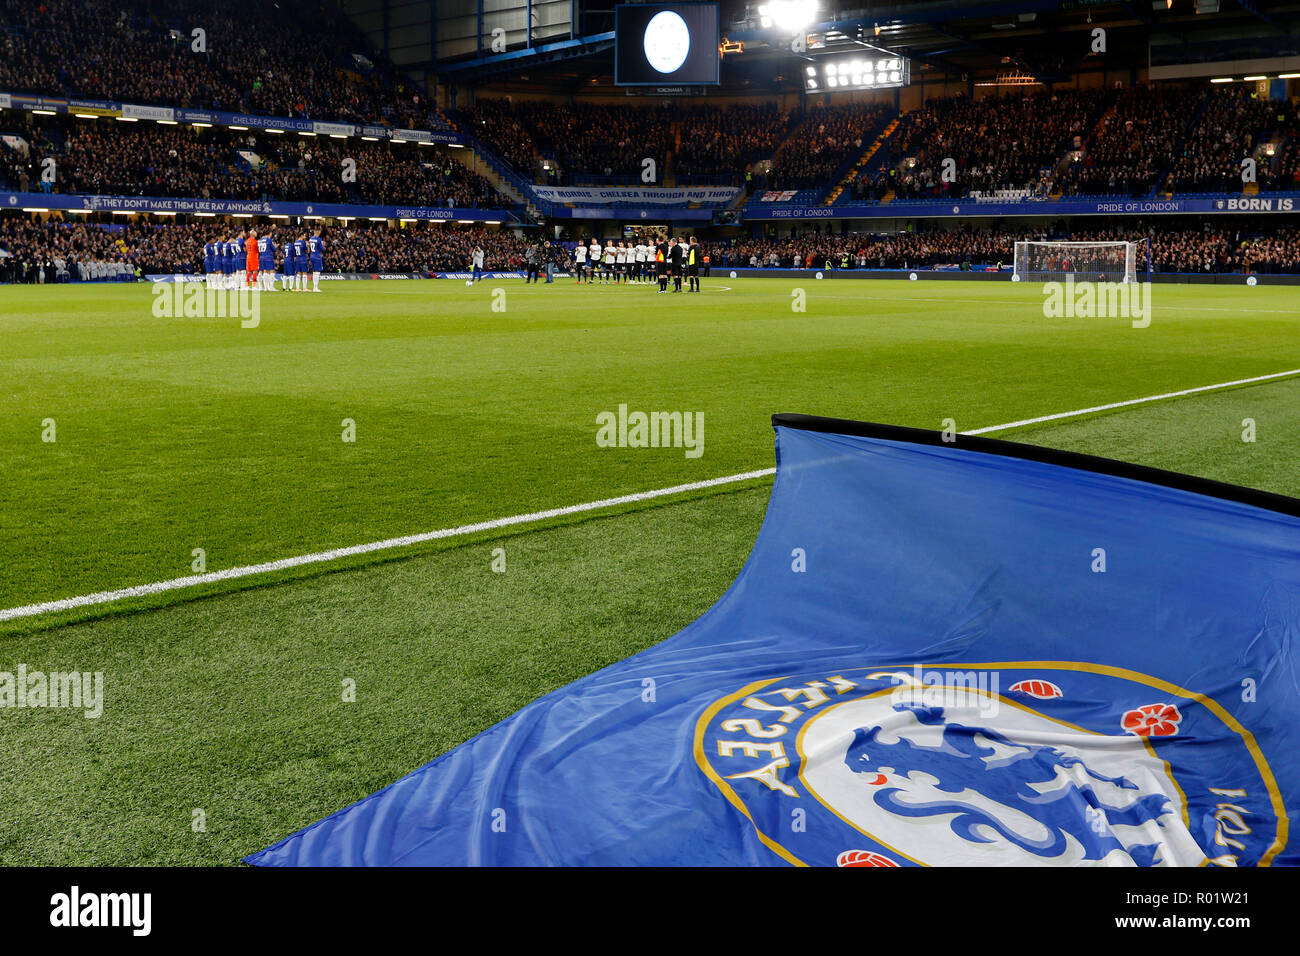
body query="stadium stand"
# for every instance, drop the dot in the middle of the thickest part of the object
(1231, 127)
(1174, 250)
(149, 160)
(363, 247)
(1011, 142)
(1133, 141)
(717, 144)
(265, 60)
(1132, 144)
(820, 146)
(105, 250)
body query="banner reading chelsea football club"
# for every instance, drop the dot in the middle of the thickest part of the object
(963, 652)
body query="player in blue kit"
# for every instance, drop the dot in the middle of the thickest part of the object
(288, 282)
(266, 261)
(238, 259)
(234, 257)
(218, 252)
(301, 262)
(223, 263)
(316, 252)
(209, 263)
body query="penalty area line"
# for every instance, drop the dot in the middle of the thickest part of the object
(320, 557)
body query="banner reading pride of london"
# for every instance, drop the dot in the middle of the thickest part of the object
(966, 653)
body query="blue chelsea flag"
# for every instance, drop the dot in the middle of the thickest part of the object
(969, 652)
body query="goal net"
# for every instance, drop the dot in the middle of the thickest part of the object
(1094, 261)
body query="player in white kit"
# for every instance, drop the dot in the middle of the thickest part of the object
(642, 252)
(580, 259)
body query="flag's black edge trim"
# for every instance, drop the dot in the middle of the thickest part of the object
(1049, 456)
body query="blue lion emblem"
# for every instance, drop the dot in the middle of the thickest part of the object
(961, 763)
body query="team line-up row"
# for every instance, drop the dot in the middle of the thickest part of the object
(247, 260)
(619, 262)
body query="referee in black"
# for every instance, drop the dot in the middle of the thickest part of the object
(676, 253)
(693, 265)
(661, 264)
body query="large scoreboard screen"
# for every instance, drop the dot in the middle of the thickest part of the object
(664, 44)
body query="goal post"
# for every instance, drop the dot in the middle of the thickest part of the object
(1114, 261)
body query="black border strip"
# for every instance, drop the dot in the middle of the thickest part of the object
(1048, 456)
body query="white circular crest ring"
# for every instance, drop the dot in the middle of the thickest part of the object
(667, 41)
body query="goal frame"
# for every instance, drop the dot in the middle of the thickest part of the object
(1137, 261)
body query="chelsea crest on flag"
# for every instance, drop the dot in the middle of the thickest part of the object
(940, 652)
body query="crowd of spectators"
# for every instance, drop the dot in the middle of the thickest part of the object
(366, 247)
(824, 141)
(1211, 249)
(1096, 142)
(585, 143)
(719, 143)
(27, 247)
(34, 252)
(866, 251)
(103, 250)
(303, 59)
(700, 143)
(1134, 143)
(1229, 130)
(607, 141)
(145, 159)
(1088, 142)
(1010, 142)
(1286, 162)
(501, 128)
(1068, 142)
(285, 59)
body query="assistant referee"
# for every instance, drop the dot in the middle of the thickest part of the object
(693, 265)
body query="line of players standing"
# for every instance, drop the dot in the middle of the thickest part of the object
(640, 262)
(248, 260)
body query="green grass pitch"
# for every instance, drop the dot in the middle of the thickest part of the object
(177, 434)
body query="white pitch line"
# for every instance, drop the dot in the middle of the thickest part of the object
(194, 580)
(1131, 401)
(229, 574)
(1035, 302)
